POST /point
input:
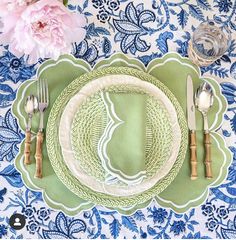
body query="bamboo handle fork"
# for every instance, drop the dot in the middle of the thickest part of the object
(43, 102)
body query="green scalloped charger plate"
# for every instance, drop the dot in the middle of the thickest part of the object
(172, 71)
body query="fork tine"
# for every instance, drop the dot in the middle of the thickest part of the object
(38, 90)
(44, 91)
(47, 95)
(41, 90)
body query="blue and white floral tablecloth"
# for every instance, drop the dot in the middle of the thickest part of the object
(149, 29)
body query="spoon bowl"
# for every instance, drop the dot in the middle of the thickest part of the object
(31, 107)
(204, 99)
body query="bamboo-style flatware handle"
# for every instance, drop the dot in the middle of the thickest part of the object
(193, 155)
(39, 155)
(207, 142)
(27, 147)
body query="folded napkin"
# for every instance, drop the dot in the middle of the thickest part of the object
(122, 145)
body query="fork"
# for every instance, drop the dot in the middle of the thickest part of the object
(43, 102)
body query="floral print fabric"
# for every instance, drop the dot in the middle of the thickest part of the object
(144, 30)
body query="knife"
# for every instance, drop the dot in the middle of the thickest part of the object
(192, 128)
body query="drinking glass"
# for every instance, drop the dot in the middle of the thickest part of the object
(208, 43)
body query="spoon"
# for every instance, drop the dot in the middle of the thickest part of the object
(204, 100)
(31, 106)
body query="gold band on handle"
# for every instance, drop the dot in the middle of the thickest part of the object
(39, 155)
(207, 142)
(193, 155)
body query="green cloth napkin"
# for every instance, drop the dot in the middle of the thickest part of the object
(125, 148)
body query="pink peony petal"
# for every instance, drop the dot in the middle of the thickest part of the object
(79, 19)
(77, 35)
(9, 22)
(5, 38)
(15, 51)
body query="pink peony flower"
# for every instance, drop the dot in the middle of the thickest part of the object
(10, 11)
(45, 29)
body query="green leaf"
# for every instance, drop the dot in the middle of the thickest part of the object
(65, 2)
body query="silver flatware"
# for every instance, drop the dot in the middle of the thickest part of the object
(43, 102)
(31, 107)
(192, 127)
(204, 99)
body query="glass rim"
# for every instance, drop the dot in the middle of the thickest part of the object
(217, 25)
(225, 29)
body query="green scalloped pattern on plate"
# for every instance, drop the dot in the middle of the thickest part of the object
(120, 60)
(168, 197)
(62, 171)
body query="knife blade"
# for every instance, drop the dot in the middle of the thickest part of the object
(192, 127)
(190, 105)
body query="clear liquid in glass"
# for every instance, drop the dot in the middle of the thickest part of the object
(210, 41)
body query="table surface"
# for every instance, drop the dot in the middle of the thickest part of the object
(170, 31)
